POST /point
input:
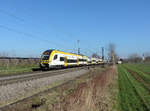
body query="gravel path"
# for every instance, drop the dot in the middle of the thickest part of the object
(13, 92)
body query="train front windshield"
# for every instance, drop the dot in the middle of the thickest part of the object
(46, 55)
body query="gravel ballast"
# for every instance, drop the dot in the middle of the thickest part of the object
(16, 91)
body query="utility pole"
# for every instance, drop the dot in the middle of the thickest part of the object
(102, 53)
(78, 41)
(78, 51)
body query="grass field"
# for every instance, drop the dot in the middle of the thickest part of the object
(17, 69)
(134, 87)
(19, 66)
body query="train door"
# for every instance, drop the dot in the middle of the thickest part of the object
(77, 61)
(87, 62)
(65, 63)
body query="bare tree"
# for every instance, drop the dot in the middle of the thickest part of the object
(112, 56)
(95, 55)
(147, 54)
(135, 58)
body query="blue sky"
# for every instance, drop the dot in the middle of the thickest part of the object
(28, 27)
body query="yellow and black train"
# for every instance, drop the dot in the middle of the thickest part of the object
(58, 59)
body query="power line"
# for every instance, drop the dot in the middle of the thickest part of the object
(20, 19)
(23, 20)
(16, 17)
(24, 33)
(28, 35)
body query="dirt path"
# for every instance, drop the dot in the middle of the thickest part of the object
(94, 95)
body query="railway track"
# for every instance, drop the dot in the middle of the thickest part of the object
(14, 79)
(12, 105)
(26, 77)
(35, 95)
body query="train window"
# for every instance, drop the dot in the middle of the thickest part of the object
(55, 57)
(71, 61)
(45, 57)
(62, 58)
(82, 60)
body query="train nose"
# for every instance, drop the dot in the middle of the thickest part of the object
(44, 65)
(44, 61)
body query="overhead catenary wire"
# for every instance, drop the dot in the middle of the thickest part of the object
(28, 22)
(39, 38)
(22, 19)
(29, 35)
(36, 37)
(14, 16)
(24, 33)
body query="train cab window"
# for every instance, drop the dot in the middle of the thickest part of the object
(55, 57)
(62, 58)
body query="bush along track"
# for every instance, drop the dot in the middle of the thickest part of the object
(132, 95)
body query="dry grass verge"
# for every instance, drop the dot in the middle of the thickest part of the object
(92, 95)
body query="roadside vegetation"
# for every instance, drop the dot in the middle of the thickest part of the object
(97, 94)
(134, 92)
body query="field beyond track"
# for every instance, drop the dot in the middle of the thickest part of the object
(134, 87)
(11, 66)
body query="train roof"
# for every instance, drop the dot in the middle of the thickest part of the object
(58, 51)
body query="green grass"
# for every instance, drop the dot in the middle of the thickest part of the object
(17, 69)
(142, 67)
(139, 71)
(132, 95)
